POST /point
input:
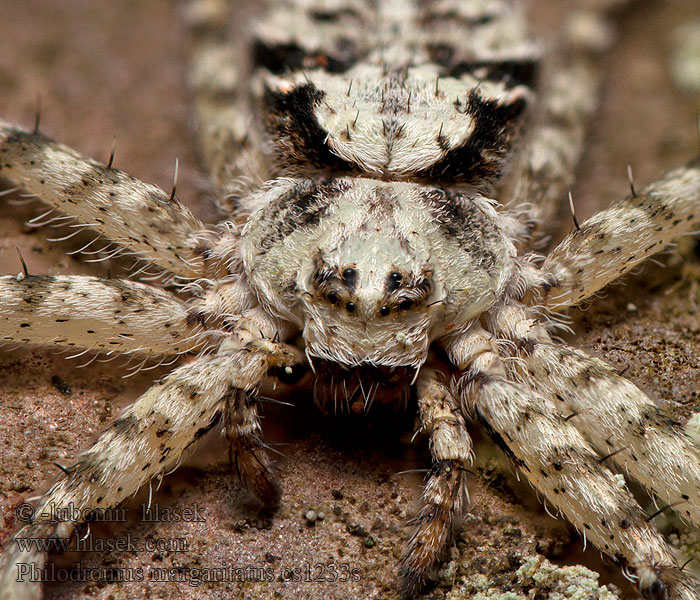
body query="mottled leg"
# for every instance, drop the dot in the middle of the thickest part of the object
(559, 463)
(614, 240)
(138, 216)
(446, 492)
(104, 315)
(246, 448)
(28, 551)
(618, 419)
(545, 167)
(148, 440)
(230, 305)
(218, 72)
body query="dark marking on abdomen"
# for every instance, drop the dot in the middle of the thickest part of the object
(290, 119)
(482, 155)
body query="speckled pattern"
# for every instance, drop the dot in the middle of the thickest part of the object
(104, 70)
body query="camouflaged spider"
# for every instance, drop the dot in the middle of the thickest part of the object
(383, 134)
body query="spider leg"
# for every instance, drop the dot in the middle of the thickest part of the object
(140, 217)
(147, 440)
(545, 166)
(229, 141)
(445, 492)
(614, 414)
(105, 315)
(246, 448)
(614, 240)
(556, 459)
(230, 303)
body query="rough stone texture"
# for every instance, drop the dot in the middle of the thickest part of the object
(106, 69)
(537, 578)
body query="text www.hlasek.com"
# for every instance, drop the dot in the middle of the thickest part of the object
(126, 543)
(310, 573)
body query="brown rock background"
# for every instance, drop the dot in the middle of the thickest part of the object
(106, 69)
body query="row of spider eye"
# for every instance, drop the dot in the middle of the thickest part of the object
(384, 311)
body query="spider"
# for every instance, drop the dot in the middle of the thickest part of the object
(235, 331)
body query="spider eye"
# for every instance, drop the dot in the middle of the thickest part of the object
(349, 273)
(395, 276)
(332, 297)
(350, 307)
(406, 304)
(384, 311)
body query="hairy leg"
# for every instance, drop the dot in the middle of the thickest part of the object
(229, 141)
(614, 240)
(246, 448)
(619, 420)
(148, 440)
(104, 315)
(138, 216)
(560, 464)
(445, 493)
(545, 167)
(618, 417)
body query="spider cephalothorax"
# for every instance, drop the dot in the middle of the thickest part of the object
(374, 271)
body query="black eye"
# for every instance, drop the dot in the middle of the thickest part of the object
(333, 298)
(395, 276)
(406, 304)
(349, 273)
(384, 311)
(350, 307)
